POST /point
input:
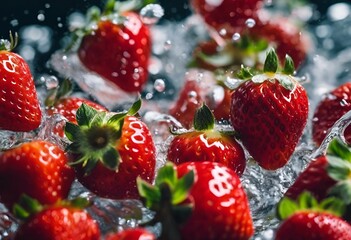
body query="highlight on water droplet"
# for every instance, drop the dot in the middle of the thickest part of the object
(151, 13)
(250, 22)
(236, 37)
(159, 85)
(51, 82)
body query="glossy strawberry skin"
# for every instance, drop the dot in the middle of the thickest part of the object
(137, 152)
(332, 107)
(132, 234)
(270, 120)
(221, 209)
(67, 107)
(227, 14)
(38, 169)
(314, 179)
(313, 226)
(59, 223)
(19, 105)
(207, 146)
(119, 52)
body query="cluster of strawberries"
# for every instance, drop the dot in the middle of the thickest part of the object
(198, 193)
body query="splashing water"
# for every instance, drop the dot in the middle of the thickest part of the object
(168, 68)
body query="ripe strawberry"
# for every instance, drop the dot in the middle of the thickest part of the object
(62, 221)
(110, 150)
(38, 169)
(19, 105)
(269, 113)
(230, 15)
(285, 36)
(132, 234)
(59, 102)
(312, 222)
(205, 143)
(328, 175)
(118, 49)
(199, 200)
(332, 107)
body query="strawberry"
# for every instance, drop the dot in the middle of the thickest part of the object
(19, 106)
(198, 200)
(269, 112)
(118, 48)
(62, 221)
(228, 15)
(308, 219)
(328, 175)
(60, 102)
(332, 107)
(205, 143)
(38, 169)
(109, 151)
(285, 36)
(132, 234)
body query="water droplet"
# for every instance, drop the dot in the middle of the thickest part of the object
(192, 95)
(168, 45)
(223, 32)
(236, 37)
(51, 82)
(6, 43)
(151, 13)
(149, 96)
(250, 23)
(268, 3)
(159, 85)
(41, 17)
(14, 22)
(339, 11)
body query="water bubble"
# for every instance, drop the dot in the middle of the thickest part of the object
(41, 17)
(159, 85)
(250, 23)
(236, 37)
(14, 22)
(339, 11)
(223, 32)
(51, 82)
(149, 96)
(168, 45)
(6, 43)
(192, 95)
(151, 13)
(268, 3)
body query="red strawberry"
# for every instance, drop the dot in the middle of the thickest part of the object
(63, 221)
(230, 15)
(61, 103)
(199, 200)
(110, 150)
(38, 169)
(285, 36)
(269, 112)
(332, 107)
(206, 143)
(19, 105)
(326, 176)
(118, 49)
(132, 234)
(313, 223)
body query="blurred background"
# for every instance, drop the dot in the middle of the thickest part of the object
(16, 15)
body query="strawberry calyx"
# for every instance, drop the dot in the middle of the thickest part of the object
(339, 169)
(28, 206)
(95, 136)
(6, 45)
(306, 202)
(168, 199)
(55, 94)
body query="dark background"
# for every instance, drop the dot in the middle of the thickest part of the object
(14, 14)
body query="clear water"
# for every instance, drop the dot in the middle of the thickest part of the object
(327, 66)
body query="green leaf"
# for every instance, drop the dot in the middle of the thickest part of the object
(289, 67)
(116, 119)
(333, 205)
(286, 207)
(110, 159)
(135, 107)
(150, 193)
(72, 131)
(271, 63)
(338, 169)
(109, 7)
(98, 119)
(221, 59)
(307, 201)
(339, 149)
(26, 207)
(85, 114)
(204, 119)
(166, 174)
(342, 190)
(74, 147)
(182, 189)
(89, 165)
(93, 14)
(245, 73)
(20, 212)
